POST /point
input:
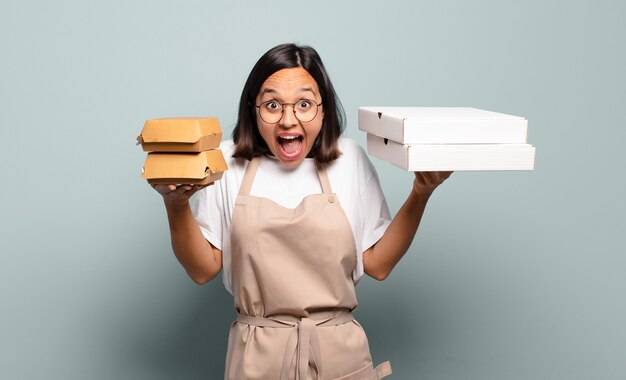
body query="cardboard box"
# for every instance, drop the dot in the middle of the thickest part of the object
(455, 157)
(183, 134)
(443, 125)
(184, 168)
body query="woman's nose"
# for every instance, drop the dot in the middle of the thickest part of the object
(289, 118)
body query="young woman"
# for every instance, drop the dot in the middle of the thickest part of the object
(297, 219)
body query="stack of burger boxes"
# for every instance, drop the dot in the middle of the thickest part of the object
(447, 138)
(182, 151)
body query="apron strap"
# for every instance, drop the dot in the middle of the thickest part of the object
(248, 177)
(383, 370)
(303, 345)
(326, 189)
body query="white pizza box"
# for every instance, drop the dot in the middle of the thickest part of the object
(452, 157)
(443, 125)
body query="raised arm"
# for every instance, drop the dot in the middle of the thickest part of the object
(381, 258)
(201, 260)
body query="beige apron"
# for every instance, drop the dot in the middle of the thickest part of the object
(293, 289)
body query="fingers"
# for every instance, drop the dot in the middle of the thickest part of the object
(177, 192)
(441, 176)
(432, 178)
(164, 188)
(426, 182)
(190, 190)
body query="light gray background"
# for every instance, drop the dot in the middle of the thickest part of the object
(513, 275)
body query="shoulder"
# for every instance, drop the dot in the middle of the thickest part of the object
(228, 149)
(350, 147)
(352, 169)
(353, 156)
(229, 184)
(351, 152)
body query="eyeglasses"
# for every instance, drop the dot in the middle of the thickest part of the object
(271, 111)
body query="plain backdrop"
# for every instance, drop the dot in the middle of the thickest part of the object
(513, 275)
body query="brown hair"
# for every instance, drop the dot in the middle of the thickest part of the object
(246, 136)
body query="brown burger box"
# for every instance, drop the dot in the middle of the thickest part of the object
(184, 168)
(181, 134)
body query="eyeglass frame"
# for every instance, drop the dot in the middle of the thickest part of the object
(293, 107)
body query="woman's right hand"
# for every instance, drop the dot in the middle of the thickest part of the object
(177, 196)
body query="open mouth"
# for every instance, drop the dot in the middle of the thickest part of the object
(290, 145)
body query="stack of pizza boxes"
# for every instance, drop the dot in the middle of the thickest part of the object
(447, 138)
(182, 151)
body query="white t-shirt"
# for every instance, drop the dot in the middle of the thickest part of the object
(352, 178)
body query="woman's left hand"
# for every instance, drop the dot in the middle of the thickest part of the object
(426, 182)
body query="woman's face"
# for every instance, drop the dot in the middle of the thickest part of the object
(290, 140)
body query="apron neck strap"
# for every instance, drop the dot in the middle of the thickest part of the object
(248, 178)
(326, 189)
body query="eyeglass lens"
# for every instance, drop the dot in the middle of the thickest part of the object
(271, 111)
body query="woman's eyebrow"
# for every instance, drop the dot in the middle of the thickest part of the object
(273, 91)
(307, 89)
